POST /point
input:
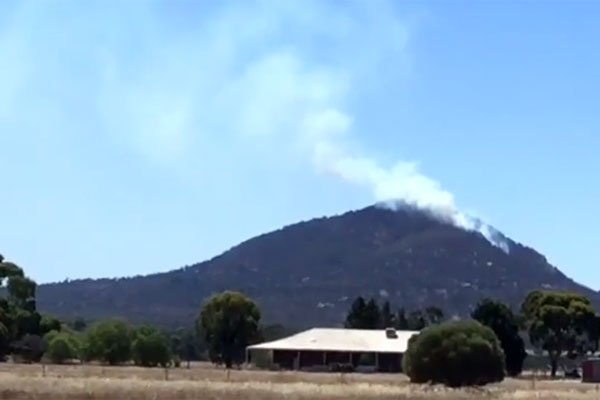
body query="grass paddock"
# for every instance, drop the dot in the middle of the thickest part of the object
(204, 382)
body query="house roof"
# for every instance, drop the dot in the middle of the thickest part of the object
(346, 340)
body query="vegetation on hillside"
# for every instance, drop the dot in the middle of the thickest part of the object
(317, 268)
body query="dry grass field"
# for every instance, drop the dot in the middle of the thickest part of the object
(203, 382)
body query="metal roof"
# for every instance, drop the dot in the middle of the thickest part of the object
(346, 340)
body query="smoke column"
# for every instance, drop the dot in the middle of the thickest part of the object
(402, 183)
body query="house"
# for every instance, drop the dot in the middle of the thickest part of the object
(321, 348)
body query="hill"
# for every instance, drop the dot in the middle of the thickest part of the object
(307, 274)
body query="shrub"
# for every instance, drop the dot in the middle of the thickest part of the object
(62, 347)
(49, 324)
(108, 341)
(29, 349)
(151, 348)
(461, 353)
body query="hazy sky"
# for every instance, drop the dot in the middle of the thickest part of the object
(141, 136)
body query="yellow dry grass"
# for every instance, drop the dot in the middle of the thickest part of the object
(202, 382)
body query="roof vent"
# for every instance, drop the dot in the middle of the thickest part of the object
(390, 333)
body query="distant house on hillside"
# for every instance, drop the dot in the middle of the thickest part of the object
(329, 349)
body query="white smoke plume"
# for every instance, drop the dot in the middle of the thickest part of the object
(402, 183)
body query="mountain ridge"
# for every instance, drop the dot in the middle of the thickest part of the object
(307, 273)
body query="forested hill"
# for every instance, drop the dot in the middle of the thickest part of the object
(308, 273)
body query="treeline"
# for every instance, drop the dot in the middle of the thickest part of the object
(28, 336)
(490, 342)
(369, 315)
(557, 323)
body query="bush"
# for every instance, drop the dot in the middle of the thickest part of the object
(29, 349)
(461, 353)
(108, 341)
(176, 362)
(49, 324)
(62, 347)
(151, 348)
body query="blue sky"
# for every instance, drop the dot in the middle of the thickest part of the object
(142, 136)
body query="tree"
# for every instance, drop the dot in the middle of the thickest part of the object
(109, 341)
(561, 323)
(29, 349)
(230, 322)
(356, 314)
(62, 347)
(186, 345)
(434, 315)
(363, 315)
(417, 320)
(150, 347)
(388, 319)
(401, 320)
(372, 315)
(500, 318)
(48, 324)
(461, 353)
(18, 308)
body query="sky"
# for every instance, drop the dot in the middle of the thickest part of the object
(142, 136)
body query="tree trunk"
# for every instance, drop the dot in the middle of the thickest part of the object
(553, 364)
(188, 363)
(228, 363)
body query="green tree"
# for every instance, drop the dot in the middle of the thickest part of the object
(48, 324)
(356, 314)
(388, 319)
(186, 345)
(417, 320)
(151, 347)
(18, 307)
(401, 319)
(461, 353)
(500, 318)
(561, 323)
(29, 349)
(108, 341)
(372, 315)
(363, 315)
(230, 322)
(434, 315)
(62, 347)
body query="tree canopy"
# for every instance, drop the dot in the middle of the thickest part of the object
(109, 341)
(561, 323)
(62, 346)
(150, 347)
(368, 315)
(230, 322)
(500, 318)
(19, 320)
(461, 353)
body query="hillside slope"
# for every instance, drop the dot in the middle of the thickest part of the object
(308, 273)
